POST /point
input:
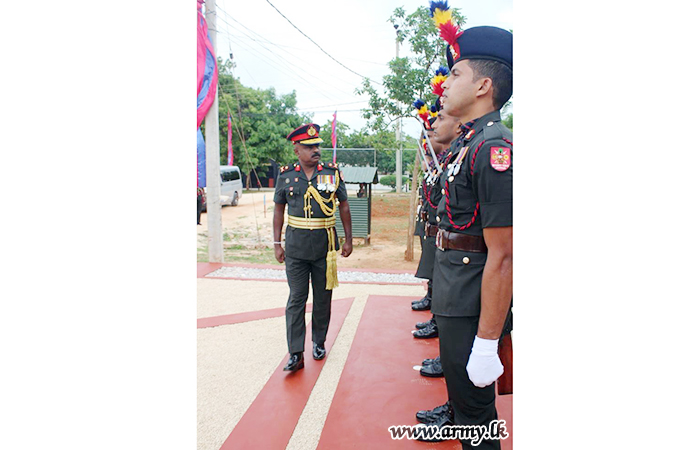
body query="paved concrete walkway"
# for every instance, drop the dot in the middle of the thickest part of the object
(244, 350)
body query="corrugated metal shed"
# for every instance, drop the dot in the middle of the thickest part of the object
(360, 174)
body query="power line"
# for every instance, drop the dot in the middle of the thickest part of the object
(264, 39)
(289, 70)
(297, 66)
(286, 62)
(314, 42)
(335, 104)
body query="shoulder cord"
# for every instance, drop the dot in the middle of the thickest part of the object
(312, 192)
(442, 160)
(447, 193)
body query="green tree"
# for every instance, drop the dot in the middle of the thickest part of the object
(263, 117)
(409, 77)
(508, 121)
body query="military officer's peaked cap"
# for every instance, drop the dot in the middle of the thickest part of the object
(306, 134)
(490, 43)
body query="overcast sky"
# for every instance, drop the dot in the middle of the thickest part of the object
(270, 52)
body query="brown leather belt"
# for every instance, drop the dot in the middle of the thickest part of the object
(431, 230)
(448, 240)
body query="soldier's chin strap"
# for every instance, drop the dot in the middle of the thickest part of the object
(329, 211)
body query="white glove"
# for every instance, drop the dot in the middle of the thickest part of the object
(484, 367)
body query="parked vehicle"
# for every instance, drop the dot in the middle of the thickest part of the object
(231, 186)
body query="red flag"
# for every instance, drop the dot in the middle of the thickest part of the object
(207, 72)
(230, 147)
(334, 138)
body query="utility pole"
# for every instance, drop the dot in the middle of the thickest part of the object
(399, 175)
(213, 159)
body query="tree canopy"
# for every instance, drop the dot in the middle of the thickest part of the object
(409, 77)
(265, 120)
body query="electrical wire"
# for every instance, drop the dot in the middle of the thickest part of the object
(260, 43)
(314, 42)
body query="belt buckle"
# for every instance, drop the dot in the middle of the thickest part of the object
(438, 240)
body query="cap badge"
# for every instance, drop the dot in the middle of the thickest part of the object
(312, 131)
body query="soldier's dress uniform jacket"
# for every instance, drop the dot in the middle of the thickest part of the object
(477, 193)
(430, 192)
(306, 249)
(290, 189)
(476, 196)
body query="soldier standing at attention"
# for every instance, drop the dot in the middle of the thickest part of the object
(312, 191)
(473, 274)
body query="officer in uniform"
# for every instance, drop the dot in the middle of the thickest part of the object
(472, 276)
(425, 268)
(312, 191)
(446, 130)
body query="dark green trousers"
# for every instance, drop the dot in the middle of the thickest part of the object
(472, 405)
(298, 273)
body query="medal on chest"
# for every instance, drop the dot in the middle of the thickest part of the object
(325, 183)
(454, 168)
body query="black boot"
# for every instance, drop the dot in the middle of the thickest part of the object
(427, 362)
(424, 303)
(428, 332)
(432, 414)
(433, 370)
(319, 352)
(296, 362)
(421, 325)
(440, 420)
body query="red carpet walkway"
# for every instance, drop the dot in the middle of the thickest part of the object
(379, 387)
(270, 421)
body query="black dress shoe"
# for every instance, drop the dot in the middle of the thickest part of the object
(296, 362)
(433, 371)
(421, 325)
(428, 332)
(420, 300)
(441, 421)
(423, 416)
(429, 362)
(319, 352)
(421, 305)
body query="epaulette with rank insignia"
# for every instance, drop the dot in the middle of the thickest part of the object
(332, 166)
(286, 168)
(493, 130)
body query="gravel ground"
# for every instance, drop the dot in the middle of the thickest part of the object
(279, 274)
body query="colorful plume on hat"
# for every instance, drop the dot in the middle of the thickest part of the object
(422, 112)
(449, 31)
(438, 79)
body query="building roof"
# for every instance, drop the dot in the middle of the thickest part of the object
(360, 174)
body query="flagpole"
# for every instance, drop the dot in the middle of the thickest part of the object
(334, 138)
(211, 122)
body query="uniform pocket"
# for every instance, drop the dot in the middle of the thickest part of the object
(460, 258)
(292, 197)
(457, 283)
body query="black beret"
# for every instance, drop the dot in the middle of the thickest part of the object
(490, 43)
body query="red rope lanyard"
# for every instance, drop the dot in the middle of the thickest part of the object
(447, 193)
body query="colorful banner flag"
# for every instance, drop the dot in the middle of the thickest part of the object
(207, 72)
(201, 160)
(230, 146)
(334, 138)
